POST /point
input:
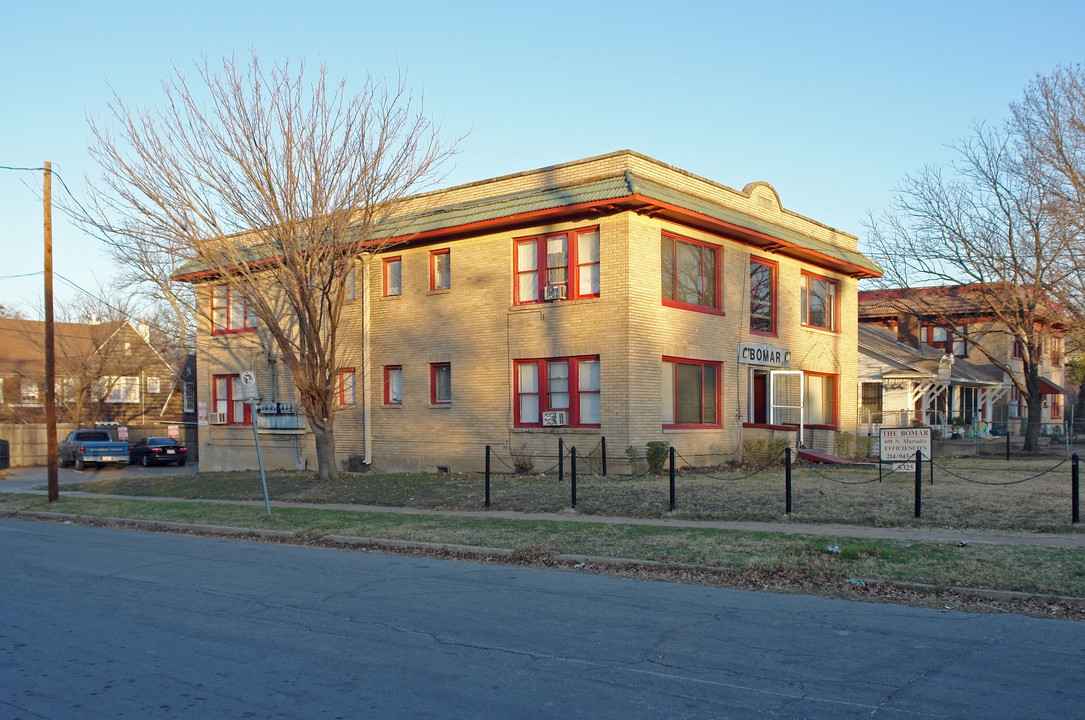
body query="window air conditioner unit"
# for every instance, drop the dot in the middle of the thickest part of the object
(554, 292)
(216, 418)
(555, 418)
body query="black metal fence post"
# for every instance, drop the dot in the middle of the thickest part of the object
(603, 449)
(1075, 515)
(787, 480)
(672, 478)
(572, 470)
(1007, 441)
(918, 482)
(487, 476)
(561, 460)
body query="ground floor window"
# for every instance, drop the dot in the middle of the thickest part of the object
(393, 385)
(558, 384)
(345, 387)
(440, 383)
(227, 399)
(691, 393)
(819, 401)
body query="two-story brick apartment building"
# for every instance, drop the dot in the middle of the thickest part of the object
(613, 296)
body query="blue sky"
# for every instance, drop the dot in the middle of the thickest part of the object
(832, 103)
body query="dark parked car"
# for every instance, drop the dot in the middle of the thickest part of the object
(158, 450)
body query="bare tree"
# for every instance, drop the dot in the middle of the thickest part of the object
(271, 185)
(1049, 124)
(988, 228)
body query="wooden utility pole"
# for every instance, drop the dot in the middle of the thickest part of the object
(50, 358)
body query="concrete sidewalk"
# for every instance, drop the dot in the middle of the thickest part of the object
(943, 535)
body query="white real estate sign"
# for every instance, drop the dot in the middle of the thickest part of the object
(899, 445)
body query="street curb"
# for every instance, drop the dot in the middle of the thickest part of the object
(364, 543)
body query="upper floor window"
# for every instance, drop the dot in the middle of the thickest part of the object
(556, 266)
(230, 312)
(819, 302)
(28, 391)
(691, 393)
(344, 387)
(1056, 351)
(950, 341)
(393, 276)
(349, 290)
(569, 384)
(227, 398)
(190, 397)
(154, 385)
(124, 390)
(440, 392)
(440, 270)
(691, 277)
(762, 297)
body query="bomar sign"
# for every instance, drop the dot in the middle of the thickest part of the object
(899, 446)
(764, 354)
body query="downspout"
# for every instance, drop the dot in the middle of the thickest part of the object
(367, 432)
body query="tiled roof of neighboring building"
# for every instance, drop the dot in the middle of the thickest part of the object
(924, 360)
(22, 342)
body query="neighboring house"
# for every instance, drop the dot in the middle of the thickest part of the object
(613, 297)
(898, 336)
(105, 373)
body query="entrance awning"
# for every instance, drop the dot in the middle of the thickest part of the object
(1049, 388)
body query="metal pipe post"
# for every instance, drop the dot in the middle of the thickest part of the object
(918, 482)
(572, 469)
(487, 476)
(672, 478)
(561, 460)
(603, 449)
(1075, 514)
(787, 480)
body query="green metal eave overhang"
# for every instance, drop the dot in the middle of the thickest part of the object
(593, 199)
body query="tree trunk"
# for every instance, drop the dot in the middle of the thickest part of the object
(1035, 416)
(324, 437)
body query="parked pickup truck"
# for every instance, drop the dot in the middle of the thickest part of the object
(84, 447)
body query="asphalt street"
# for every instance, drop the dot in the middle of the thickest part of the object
(99, 623)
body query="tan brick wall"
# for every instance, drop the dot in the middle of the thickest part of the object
(476, 327)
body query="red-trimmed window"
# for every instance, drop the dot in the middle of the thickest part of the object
(1016, 348)
(819, 301)
(440, 269)
(570, 384)
(227, 398)
(762, 296)
(393, 276)
(440, 384)
(820, 401)
(568, 260)
(393, 384)
(344, 388)
(691, 393)
(691, 274)
(349, 283)
(936, 336)
(1056, 351)
(1055, 403)
(229, 311)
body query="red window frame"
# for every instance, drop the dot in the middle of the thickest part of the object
(835, 397)
(222, 297)
(718, 399)
(388, 262)
(1056, 406)
(233, 384)
(833, 313)
(388, 370)
(434, 369)
(341, 387)
(772, 267)
(434, 276)
(706, 250)
(543, 391)
(1056, 351)
(573, 265)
